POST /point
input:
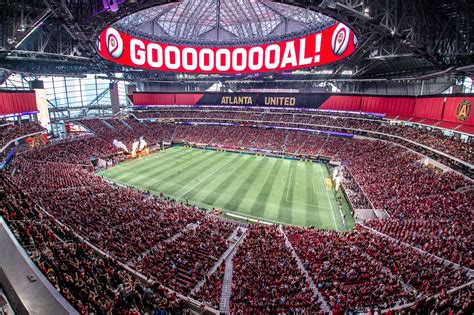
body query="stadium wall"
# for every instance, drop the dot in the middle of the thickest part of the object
(429, 108)
(388, 105)
(341, 102)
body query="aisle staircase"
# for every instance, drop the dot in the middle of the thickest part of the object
(126, 124)
(107, 124)
(234, 239)
(224, 305)
(316, 293)
(188, 228)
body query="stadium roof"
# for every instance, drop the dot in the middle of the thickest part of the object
(398, 39)
(223, 21)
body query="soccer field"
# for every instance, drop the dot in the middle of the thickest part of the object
(271, 189)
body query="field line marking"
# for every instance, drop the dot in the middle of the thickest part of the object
(302, 203)
(314, 187)
(289, 181)
(309, 204)
(209, 175)
(284, 178)
(329, 199)
(161, 156)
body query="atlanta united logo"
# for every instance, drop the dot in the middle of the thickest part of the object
(464, 110)
(340, 39)
(114, 43)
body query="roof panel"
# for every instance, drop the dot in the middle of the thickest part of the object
(245, 19)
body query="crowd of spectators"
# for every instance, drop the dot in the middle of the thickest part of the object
(395, 181)
(278, 140)
(127, 224)
(129, 130)
(79, 150)
(434, 139)
(175, 245)
(458, 302)
(10, 132)
(120, 221)
(298, 119)
(266, 277)
(346, 277)
(95, 284)
(211, 291)
(154, 235)
(182, 262)
(125, 130)
(449, 239)
(91, 282)
(354, 193)
(360, 271)
(86, 147)
(431, 138)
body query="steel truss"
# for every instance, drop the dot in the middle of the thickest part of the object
(404, 37)
(220, 23)
(399, 39)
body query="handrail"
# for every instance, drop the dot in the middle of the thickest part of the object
(261, 123)
(351, 204)
(37, 273)
(61, 163)
(336, 127)
(324, 305)
(298, 112)
(221, 259)
(18, 138)
(430, 126)
(253, 112)
(360, 187)
(445, 261)
(196, 304)
(407, 305)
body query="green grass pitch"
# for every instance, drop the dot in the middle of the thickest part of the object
(271, 189)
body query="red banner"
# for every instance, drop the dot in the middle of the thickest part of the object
(187, 99)
(342, 102)
(17, 102)
(155, 99)
(429, 108)
(330, 45)
(388, 105)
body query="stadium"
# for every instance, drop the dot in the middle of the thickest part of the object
(236, 157)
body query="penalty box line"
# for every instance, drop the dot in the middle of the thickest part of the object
(329, 199)
(303, 203)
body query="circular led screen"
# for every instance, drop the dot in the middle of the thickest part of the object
(320, 44)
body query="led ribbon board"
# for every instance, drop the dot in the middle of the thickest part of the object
(322, 48)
